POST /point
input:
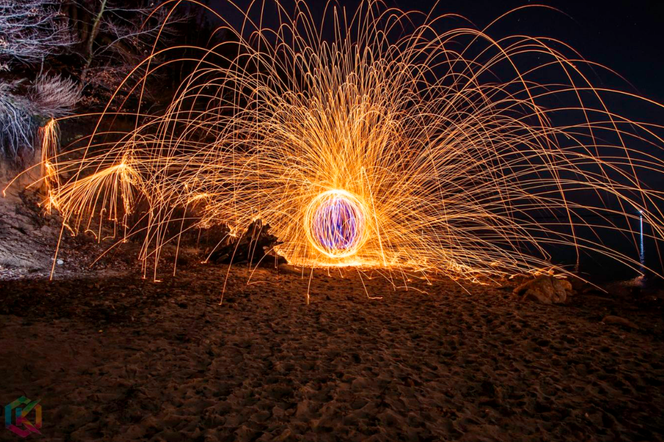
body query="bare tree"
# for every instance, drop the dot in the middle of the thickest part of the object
(31, 30)
(117, 35)
(111, 37)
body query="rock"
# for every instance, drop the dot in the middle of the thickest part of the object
(252, 246)
(545, 289)
(617, 320)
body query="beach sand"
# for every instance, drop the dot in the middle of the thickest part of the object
(120, 358)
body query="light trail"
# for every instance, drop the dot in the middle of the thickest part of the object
(389, 145)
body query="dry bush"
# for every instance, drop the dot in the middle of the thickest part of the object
(55, 96)
(22, 112)
(17, 125)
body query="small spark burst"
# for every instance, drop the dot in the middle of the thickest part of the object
(398, 142)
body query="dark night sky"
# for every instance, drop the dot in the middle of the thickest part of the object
(626, 36)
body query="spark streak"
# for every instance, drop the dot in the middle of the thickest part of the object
(401, 142)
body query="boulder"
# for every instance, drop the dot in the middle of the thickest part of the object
(545, 289)
(250, 247)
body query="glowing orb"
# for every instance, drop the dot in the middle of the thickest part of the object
(335, 223)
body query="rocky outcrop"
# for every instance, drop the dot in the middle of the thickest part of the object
(28, 236)
(545, 289)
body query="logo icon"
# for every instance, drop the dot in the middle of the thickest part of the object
(18, 411)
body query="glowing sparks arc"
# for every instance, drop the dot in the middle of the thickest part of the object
(401, 141)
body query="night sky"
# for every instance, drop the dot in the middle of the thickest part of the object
(626, 36)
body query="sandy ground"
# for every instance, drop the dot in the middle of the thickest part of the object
(124, 359)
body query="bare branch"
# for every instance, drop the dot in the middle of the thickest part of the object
(31, 30)
(121, 35)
